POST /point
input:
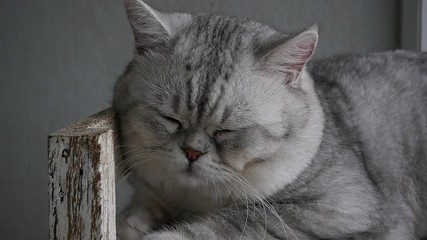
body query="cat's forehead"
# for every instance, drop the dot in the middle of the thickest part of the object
(214, 42)
(217, 32)
(209, 73)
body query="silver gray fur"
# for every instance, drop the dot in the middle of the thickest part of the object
(366, 180)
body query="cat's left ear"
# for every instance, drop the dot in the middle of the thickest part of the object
(151, 28)
(148, 27)
(288, 56)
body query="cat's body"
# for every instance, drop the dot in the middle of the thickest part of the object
(376, 107)
(229, 137)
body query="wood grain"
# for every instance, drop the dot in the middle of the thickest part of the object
(82, 179)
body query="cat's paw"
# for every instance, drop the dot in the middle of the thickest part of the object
(134, 225)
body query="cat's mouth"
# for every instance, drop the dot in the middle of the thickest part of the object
(189, 171)
(191, 176)
(192, 171)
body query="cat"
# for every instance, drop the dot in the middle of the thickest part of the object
(230, 133)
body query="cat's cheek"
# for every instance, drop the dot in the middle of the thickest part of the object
(237, 161)
(241, 159)
(136, 134)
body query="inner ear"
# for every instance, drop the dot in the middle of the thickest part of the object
(287, 55)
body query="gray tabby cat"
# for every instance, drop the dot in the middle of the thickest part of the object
(229, 137)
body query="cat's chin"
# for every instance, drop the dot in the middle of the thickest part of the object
(191, 177)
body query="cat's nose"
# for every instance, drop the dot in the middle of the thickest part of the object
(192, 154)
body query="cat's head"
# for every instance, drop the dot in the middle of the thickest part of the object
(212, 99)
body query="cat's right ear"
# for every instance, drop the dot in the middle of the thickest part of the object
(149, 26)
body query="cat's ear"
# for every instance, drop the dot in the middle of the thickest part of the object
(289, 55)
(149, 26)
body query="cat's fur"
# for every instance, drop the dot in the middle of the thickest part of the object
(340, 154)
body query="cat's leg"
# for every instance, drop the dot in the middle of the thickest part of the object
(244, 223)
(176, 235)
(145, 212)
(318, 220)
(134, 223)
(137, 220)
(402, 231)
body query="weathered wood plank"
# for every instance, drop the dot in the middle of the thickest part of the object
(82, 179)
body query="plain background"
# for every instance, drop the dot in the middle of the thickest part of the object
(59, 60)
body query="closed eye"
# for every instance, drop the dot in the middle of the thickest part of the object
(173, 120)
(224, 133)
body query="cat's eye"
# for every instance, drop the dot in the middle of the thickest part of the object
(223, 134)
(173, 121)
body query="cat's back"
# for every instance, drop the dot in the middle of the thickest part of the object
(378, 92)
(382, 97)
(382, 100)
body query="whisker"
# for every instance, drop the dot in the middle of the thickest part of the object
(261, 199)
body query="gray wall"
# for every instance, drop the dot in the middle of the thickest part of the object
(59, 60)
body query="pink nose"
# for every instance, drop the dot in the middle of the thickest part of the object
(191, 154)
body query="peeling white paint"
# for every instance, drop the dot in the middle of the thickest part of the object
(82, 180)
